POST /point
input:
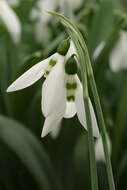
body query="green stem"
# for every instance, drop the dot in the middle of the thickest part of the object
(93, 167)
(103, 132)
(99, 113)
(100, 118)
(95, 94)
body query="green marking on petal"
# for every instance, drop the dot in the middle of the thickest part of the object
(52, 62)
(70, 86)
(47, 72)
(71, 98)
(74, 85)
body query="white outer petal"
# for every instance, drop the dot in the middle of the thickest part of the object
(71, 51)
(70, 110)
(13, 2)
(75, 4)
(94, 121)
(81, 109)
(56, 130)
(118, 57)
(44, 5)
(30, 76)
(53, 90)
(99, 150)
(79, 102)
(98, 49)
(51, 123)
(10, 20)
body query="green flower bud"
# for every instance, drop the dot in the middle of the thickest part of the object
(71, 66)
(63, 47)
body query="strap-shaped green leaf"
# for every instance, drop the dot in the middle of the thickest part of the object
(30, 152)
(102, 24)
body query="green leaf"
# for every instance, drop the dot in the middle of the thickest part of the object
(102, 24)
(121, 120)
(29, 151)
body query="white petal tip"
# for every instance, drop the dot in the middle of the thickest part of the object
(43, 134)
(97, 135)
(9, 90)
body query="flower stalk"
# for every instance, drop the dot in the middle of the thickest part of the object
(93, 167)
(95, 94)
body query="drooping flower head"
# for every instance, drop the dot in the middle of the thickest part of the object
(118, 57)
(42, 31)
(10, 20)
(62, 93)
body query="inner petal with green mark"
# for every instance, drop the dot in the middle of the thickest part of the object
(71, 87)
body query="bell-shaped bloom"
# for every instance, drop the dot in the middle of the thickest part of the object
(13, 2)
(99, 150)
(118, 57)
(98, 50)
(71, 4)
(10, 20)
(63, 97)
(42, 31)
(62, 94)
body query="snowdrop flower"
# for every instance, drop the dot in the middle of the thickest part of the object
(11, 21)
(74, 4)
(99, 150)
(67, 7)
(13, 2)
(41, 29)
(66, 99)
(98, 50)
(62, 93)
(118, 57)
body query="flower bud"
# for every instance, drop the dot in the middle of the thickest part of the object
(71, 66)
(63, 47)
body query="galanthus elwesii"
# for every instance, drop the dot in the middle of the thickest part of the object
(42, 30)
(62, 93)
(118, 57)
(99, 150)
(10, 20)
(63, 97)
(13, 3)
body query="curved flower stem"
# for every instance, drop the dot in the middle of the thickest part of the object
(95, 94)
(100, 119)
(93, 167)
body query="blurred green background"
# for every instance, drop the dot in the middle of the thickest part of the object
(26, 160)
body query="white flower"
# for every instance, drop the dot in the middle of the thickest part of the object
(62, 94)
(98, 50)
(71, 4)
(42, 32)
(118, 57)
(63, 97)
(99, 150)
(67, 7)
(72, 50)
(11, 21)
(13, 2)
